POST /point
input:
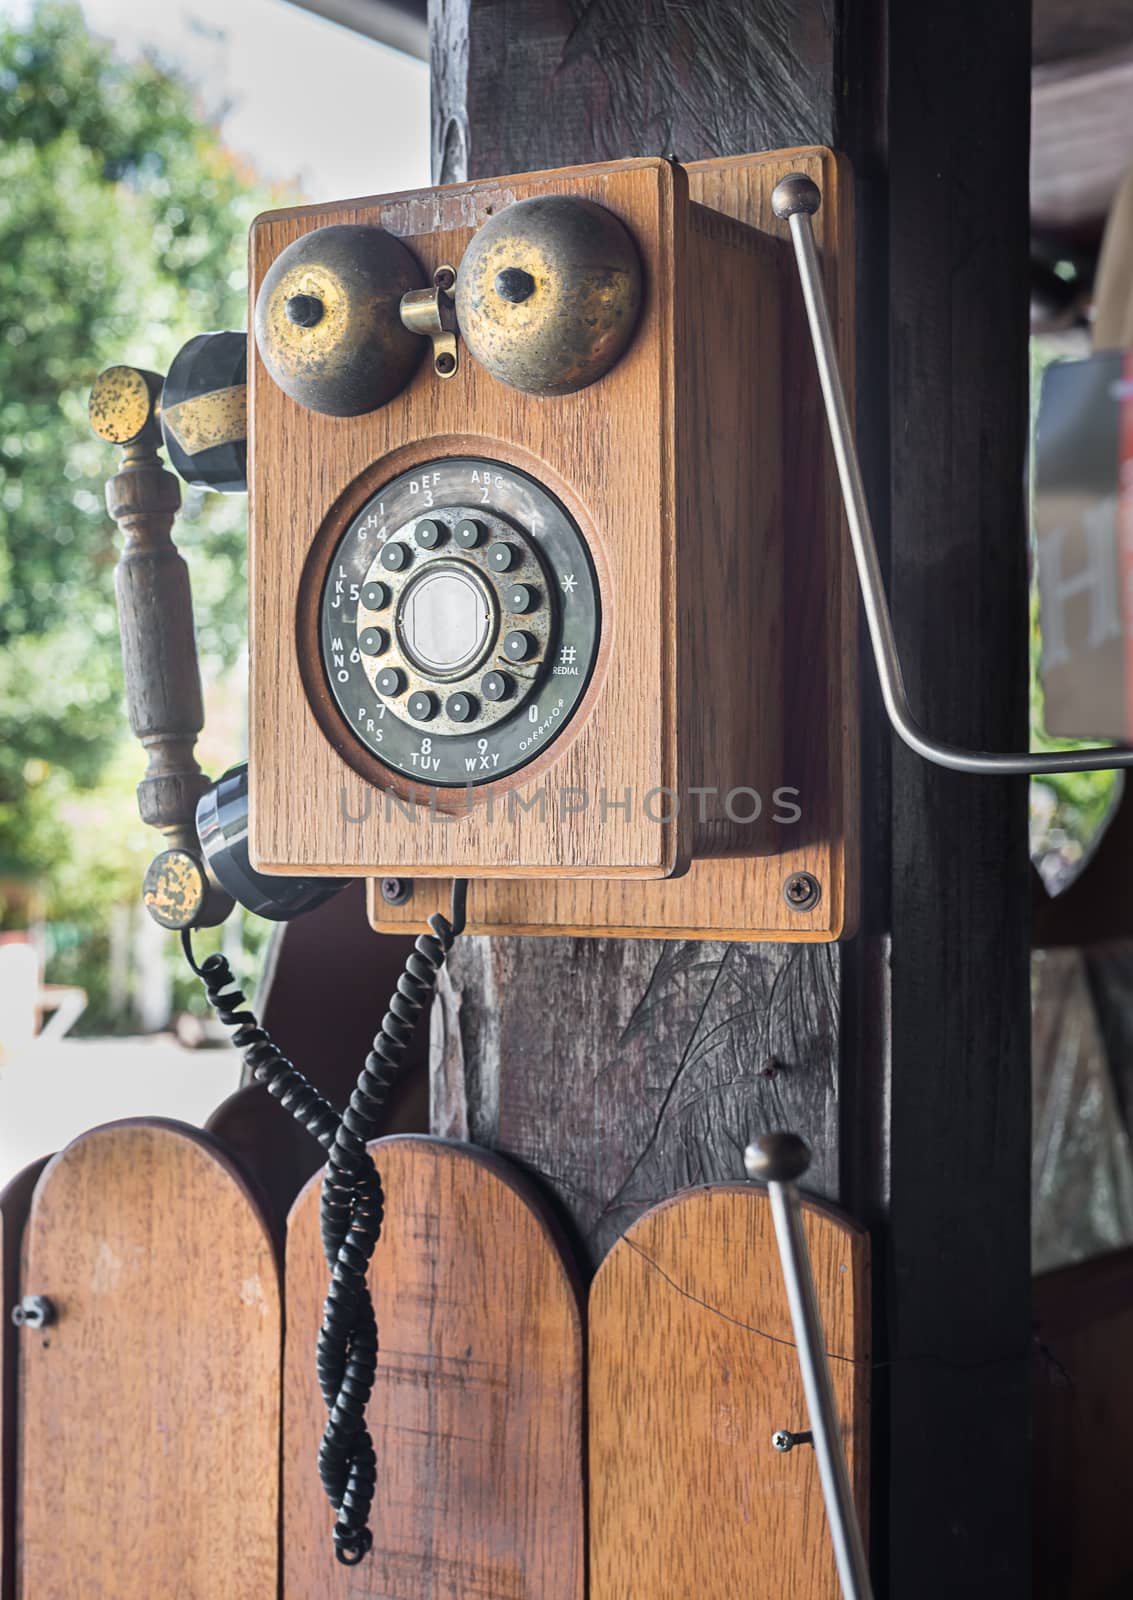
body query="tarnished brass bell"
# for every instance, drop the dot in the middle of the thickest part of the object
(327, 319)
(548, 293)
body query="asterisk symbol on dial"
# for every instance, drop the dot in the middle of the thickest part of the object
(570, 582)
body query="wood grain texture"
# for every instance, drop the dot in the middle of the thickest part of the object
(692, 1368)
(807, 598)
(566, 80)
(477, 1413)
(150, 1412)
(634, 1069)
(605, 452)
(621, 1071)
(955, 1189)
(15, 1199)
(724, 636)
(159, 647)
(448, 84)
(907, 1057)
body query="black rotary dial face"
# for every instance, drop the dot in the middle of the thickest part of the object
(459, 622)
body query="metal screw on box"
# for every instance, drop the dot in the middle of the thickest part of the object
(784, 1440)
(794, 201)
(779, 1160)
(397, 891)
(802, 891)
(34, 1311)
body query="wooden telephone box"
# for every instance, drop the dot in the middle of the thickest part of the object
(621, 478)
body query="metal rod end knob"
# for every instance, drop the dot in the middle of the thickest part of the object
(34, 1311)
(776, 1158)
(794, 193)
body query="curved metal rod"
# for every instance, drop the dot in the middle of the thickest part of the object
(794, 201)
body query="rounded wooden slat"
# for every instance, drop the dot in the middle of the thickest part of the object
(149, 1410)
(15, 1200)
(476, 1414)
(692, 1368)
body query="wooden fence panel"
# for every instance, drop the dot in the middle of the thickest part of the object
(149, 1410)
(692, 1369)
(477, 1412)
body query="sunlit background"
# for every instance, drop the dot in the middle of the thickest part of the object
(137, 142)
(318, 108)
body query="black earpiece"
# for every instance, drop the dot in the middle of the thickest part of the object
(222, 827)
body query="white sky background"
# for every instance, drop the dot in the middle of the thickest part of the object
(302, 98)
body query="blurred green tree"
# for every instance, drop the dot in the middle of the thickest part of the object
(123, 225)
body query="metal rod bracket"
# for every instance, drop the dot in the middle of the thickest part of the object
(794, 201)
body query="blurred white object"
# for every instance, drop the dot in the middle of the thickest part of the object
(29, 1008)
(59, 1088)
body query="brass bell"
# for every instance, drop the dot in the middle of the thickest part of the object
(548, 294)
(327, 319)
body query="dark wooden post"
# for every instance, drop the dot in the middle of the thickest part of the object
(619, 1072)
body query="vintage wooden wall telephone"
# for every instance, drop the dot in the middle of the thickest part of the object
(547, 588)
(564, 609)
(548, 595)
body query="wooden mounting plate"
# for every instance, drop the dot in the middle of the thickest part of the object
(742, 897)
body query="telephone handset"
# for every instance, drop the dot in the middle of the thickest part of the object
(199, 413)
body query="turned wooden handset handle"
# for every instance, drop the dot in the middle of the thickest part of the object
(159, 651)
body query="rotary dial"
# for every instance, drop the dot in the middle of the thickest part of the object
(459, 622)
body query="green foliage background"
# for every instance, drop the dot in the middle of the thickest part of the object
(123, 227)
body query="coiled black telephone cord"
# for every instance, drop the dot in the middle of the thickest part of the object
(351, 1205)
